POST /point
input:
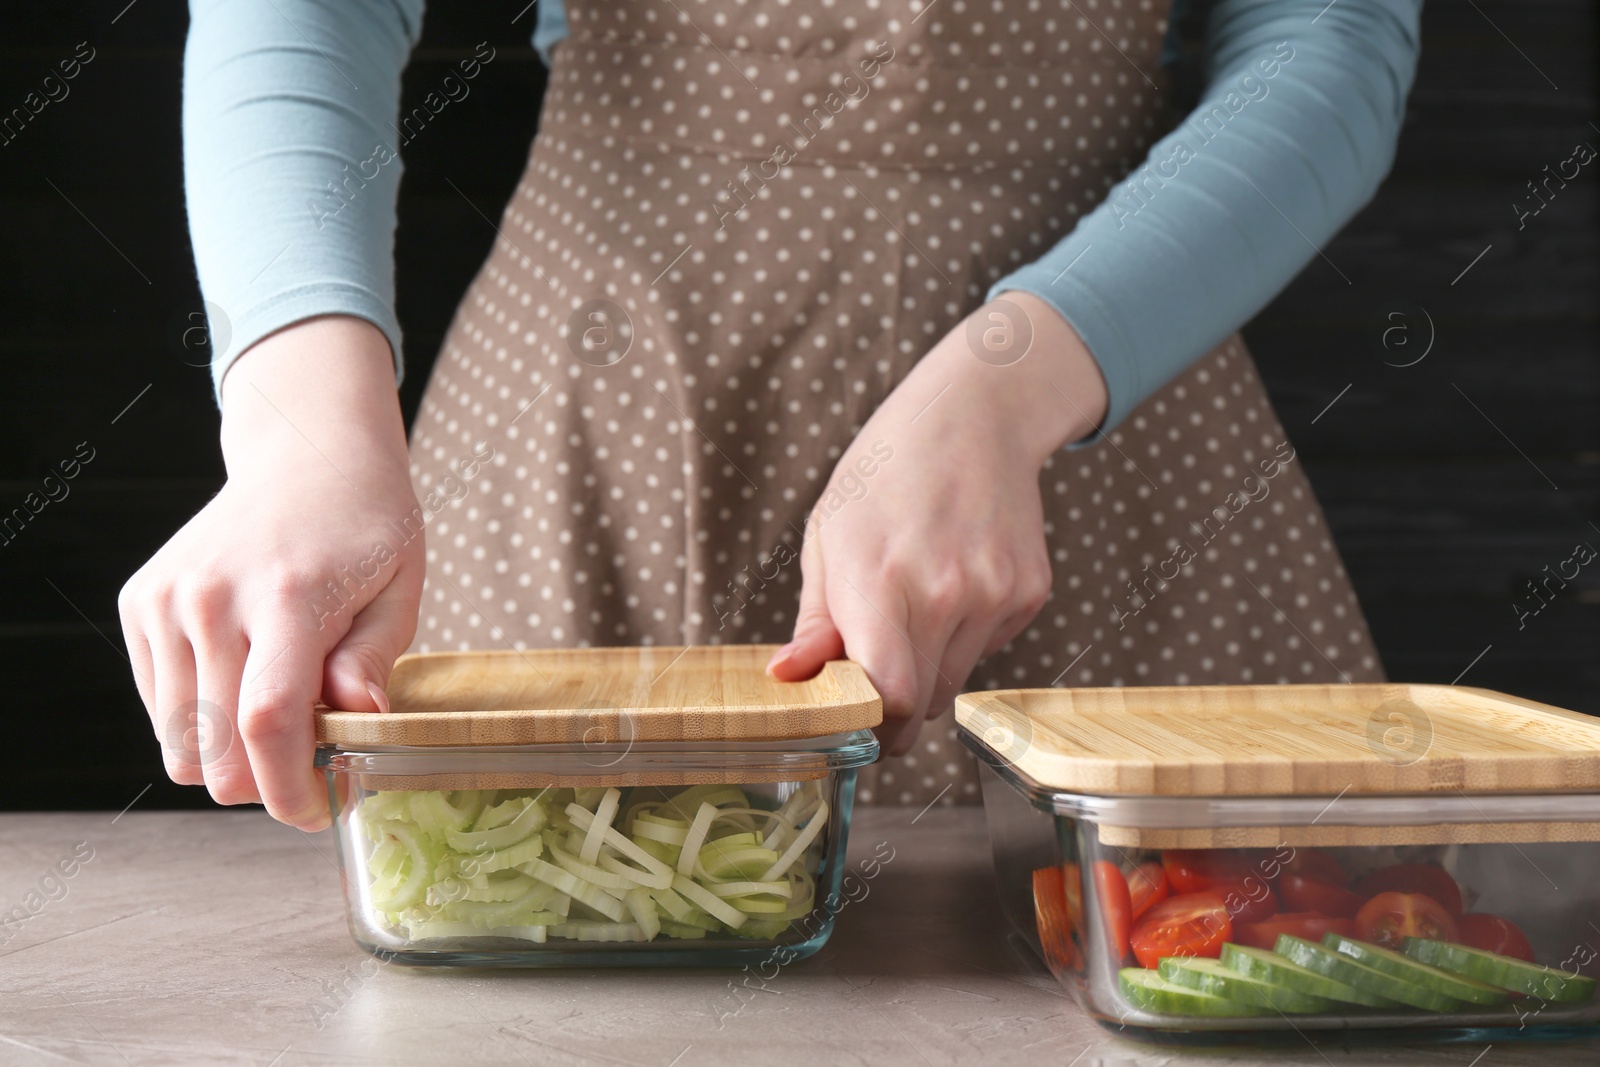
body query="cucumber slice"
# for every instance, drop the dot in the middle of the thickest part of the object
(1286, 974)
(1341, 968)
(1429, 977)
(1210, 976)
(1149, 991)
(1546, 983)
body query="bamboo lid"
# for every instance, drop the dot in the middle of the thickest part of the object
(597, 696)
(1285, 740)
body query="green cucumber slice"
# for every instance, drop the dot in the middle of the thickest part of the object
(1210, 976)
(1341, 968)
(1535, 980)
(1147, 990)
(1268, 966)
(1429, 977)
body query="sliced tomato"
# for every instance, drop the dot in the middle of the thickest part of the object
(1300, 892)
(1116, 905)
(1249, 900)
(1389, 918)
(1494, 934)
(1192, 924)
(1147, 885)
(1425, 878)
(1191, 870)
(1050, 917)
(1074, 881)
(1304, 924)
(1317, 866)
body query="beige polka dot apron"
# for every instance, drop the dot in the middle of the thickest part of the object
(742, 222)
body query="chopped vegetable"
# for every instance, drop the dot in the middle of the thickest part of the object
(1529, 979)
(1386, 943)
(1147, 886)
(1050, 917)
(1301, 892)
(594, 864)
(1115, 904)
(1194, 924)
(1495, 934)
(1402, 966)
(1425, 878)
(1389, 918)
(1146, 989)
(1307, 924)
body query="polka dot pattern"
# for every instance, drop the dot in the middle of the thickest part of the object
(658, 498)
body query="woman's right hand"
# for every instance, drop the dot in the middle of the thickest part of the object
(298, 583)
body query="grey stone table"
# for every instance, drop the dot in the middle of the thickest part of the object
(219, 938)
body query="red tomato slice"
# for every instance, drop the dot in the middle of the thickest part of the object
(1302, 893)
(1147, 886)
(1116, 905)
(1317, 866)
(1495, 934)
(1194, 924)
(1192, 870)
(1249, 900)
(1389, 918)
(1425, 878)
(1305, 924)
(1074, 882)
(1050, 917)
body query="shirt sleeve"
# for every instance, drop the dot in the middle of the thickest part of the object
(1295, 129)
(291, 162)
(549, 28)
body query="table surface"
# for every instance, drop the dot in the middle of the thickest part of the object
(219, 938)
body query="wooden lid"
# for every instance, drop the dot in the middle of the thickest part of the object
(598, 696)
(1285, 740)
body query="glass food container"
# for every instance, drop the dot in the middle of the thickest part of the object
(646, 806)
(1203, 863)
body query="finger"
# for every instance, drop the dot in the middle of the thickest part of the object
(174, 704)
(357, 670)
(1013, 625)
(872, 624)
(220, 654)
(816, 638)
(139, 657)
(961, 655)
(283, 679)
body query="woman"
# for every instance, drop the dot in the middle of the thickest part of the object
(893, 331)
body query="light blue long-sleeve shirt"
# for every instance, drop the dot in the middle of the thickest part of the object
(1294, 131)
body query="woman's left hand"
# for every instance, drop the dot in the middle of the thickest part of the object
(927, 551)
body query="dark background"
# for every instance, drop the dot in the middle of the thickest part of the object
(1444, 511)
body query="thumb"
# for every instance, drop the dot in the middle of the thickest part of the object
(816, 639)
(357, 670)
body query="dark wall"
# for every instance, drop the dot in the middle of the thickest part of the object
(1449, 483)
